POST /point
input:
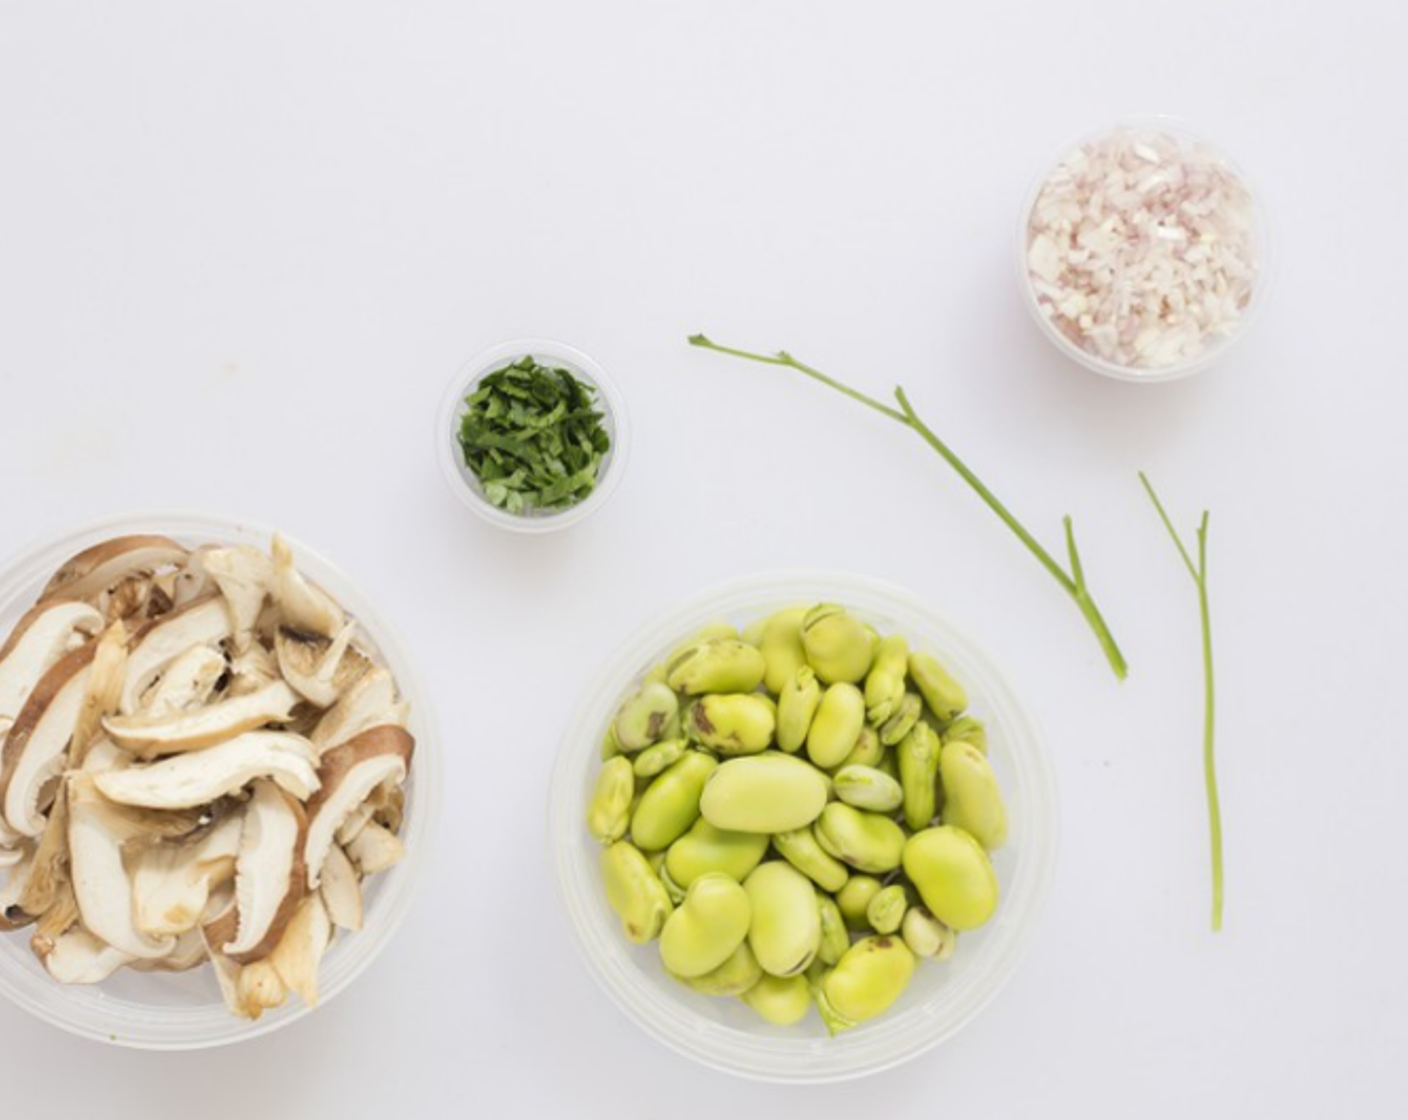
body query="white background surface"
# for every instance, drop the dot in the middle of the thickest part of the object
(243, 247)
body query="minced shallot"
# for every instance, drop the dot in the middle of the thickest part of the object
(1140, 249)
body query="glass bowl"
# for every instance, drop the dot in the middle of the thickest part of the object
(1170, 128)
(184, 1011)
(724, 1033)
(465, 485)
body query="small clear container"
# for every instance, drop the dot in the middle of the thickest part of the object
(184, 1011)
(725, 1034)
(1188, 140)
(465, 485)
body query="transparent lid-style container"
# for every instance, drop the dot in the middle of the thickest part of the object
(466, 486)
(184, 1011)
(1165, 130)
(724, 1033)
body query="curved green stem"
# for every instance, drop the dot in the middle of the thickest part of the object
(1072, 583)
(1199, 574)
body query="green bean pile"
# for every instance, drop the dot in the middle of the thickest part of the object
(797, 814)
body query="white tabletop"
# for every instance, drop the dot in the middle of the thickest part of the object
(244, 251)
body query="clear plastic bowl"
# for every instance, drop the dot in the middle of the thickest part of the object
(465, 485)
(184, 1011)
(724, 1033)
(1262, 240)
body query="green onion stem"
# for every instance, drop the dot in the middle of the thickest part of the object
(1199, 572)
(1072, 582)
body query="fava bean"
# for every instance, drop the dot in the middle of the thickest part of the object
(707, 927)
(873, 974)
(771, 792)
(972, 799)
(671, 803)
(953, 876)
(610, 810)
(836, 727)
(786, 930)
(634, 892)
(837, 646)
(781, 1000)
(867, 788)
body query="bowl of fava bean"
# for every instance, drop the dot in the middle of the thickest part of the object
(803, 828)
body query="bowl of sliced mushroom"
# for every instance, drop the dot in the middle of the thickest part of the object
(217, 781)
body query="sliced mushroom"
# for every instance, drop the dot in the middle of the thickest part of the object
(247, 990)
(204, 622)
(369, 702)
(78, 957)
(97, 832)
(187, 683)
(172, 879)
(62, 914)
(250, 671)
(149, 736)
(103, 692)
(105, 565)
(270, 880)
(12, 915)
(198, 778)
(385, 805)
(300, 951)
(304, 606)
(320, 668)
(135, 598)
(42, 637)
(245, 577)
(188, 954)
(192, 580)
(341, 890)
(227, 972)
(348, 775)
(356, 820)
(375, 849)
(50, 870)
(104, 754)
(35, 747)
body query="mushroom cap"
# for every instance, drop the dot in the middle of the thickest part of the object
(199, 728)
(184, 781)
(43, 635)
(36, 745)
(104, 565)
(348, 774)
(202, 622)
(270, 880)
